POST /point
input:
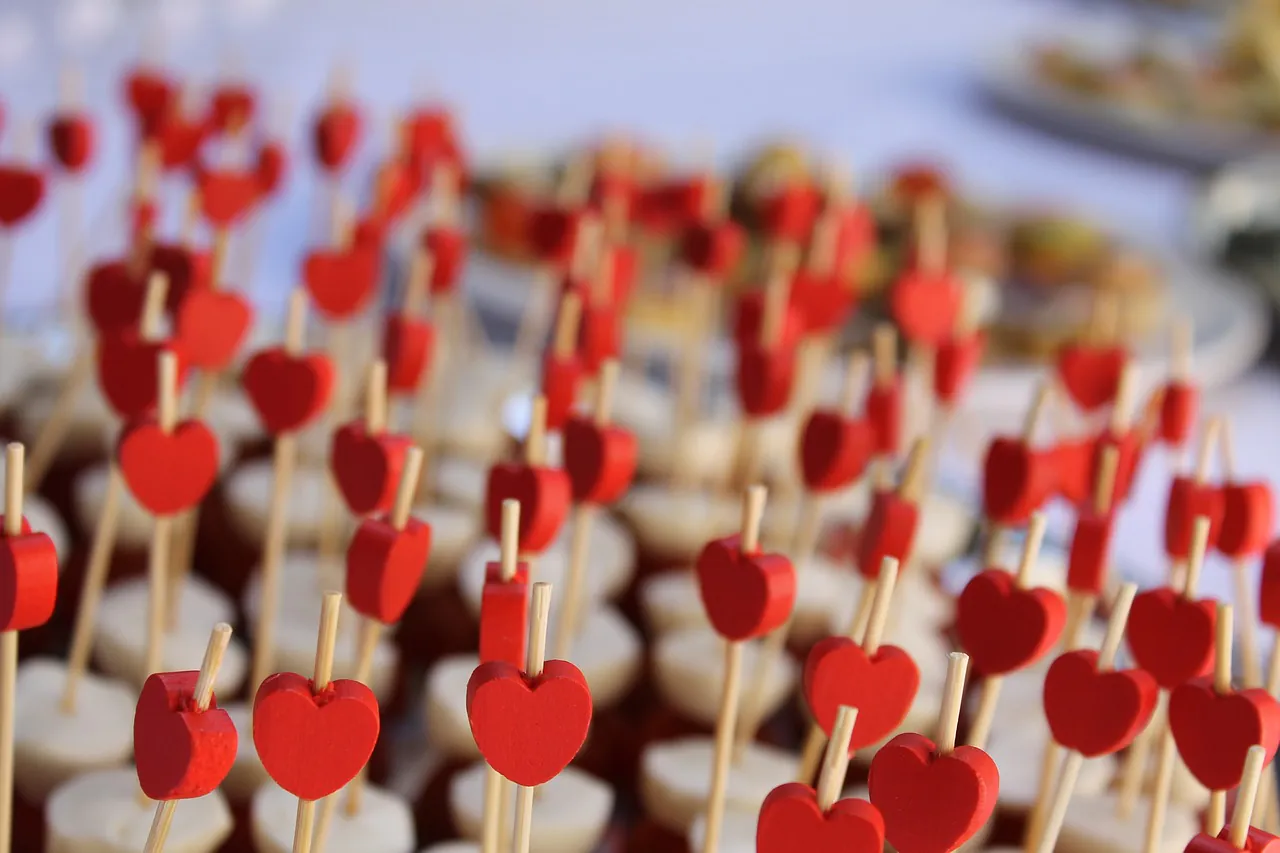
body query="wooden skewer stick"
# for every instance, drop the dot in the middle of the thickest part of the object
(1030, 425)
(835, 764)
(1246, 795)
(726, 720)
(157, 563)
(772, 321)
(1242, 579)
(9, 649)
(884, 372)
(1074, 760)
(540, 607)
(203, 695)
(375, 421)
(980, 729)
(1081, 605)
(495, 782)
(1216, 815)
(330, 608)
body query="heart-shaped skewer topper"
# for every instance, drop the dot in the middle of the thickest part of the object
(544, 493)
(335, 134)
(71, 140)
(127, 371)
(788, 213)
(1091, 374)
(211, 325)
(767, 363)
(387, 556)
(341, 281)
(28, 561)
(1003, 626)
(561, 368)
(287, 387)
(1269, 592)
(504, 600)
(408, 344)
(1089, 556)
(1192, 496)
(168, 470)
(1239, 835)
(448, 248)
(884, 404)
(955, 364)
(1018, 478)
(1248, 511)
(183, 743)
(226, 197)
(366, 459)
(934, 795)
(1179, 409)
(21, 191)
(600, 457)
(890, 528)
(712, 249)
(836, 445)
(530, 724)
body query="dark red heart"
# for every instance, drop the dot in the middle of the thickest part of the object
(713, 250)
(180, 141)
(889, 531)
(882, 687)
(561, 376)
(791, 820)
(599, 459)
(925, 306)
(114, 298)
(1215, 731)
(128, 372)
(187, 270)
(1003, 628)
(1091, 374)
(1016, 480)
(1090, 552)
(448, 247)
(765, 379)
(211, 326)
(151, 97)
(1269, 593)
(1257, 841)
(168, 472)
(271, 167)
(1170, 637)
(599, 335)
(341, 283)
(544, 495)
(1128, 447)
(407, 347)
(789, 213)
(884, 412)
(834, 450)
(744, 595)
(181, 752)
(1248, 513)
(385, 566)
(335, 135)
(71, 140)
(367, 467)
(1187, 501)
(1074, 464)
(287, 391)
(553, 233)
(749, 317)
(1096, 713)
(231, 107)
(226, 197)
(1179, 411)
(955, 363)
(21, 190)
(824, 303)
(504, 615)
(28, 579)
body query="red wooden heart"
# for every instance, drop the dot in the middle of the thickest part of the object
(341, 283)
(791, 820)
(287, 392)
(600, 460)
(925, 306)
(1074, 466)
(128, 372)
(1257, 841)
(884, 412)
(834, 450)
(528, 729)
(1090, 553)
(270, 167)
(882, 687)
(180, 140)
(889, 531)
(168, 472)
(28, 579)
(561, 377)
(407, 347)
(114, 298)
(1091, 374)
(1003, 628)
(824, 303)
(954, 365)
(1179, 411)
(1248, 512)
(1016, 480)
(622, 269)
(1269, 593)
(855, 239)
(211, 326)
(367, 467)
(1188, 500)
(1129, 448)
(231, 107)
(1214, 732)
(385, 566)
(504, 615)
(21, 190)
(931, 803)
(226, 196)
(789, 213)
(1170, 637)
(599, 335)
(765, 379)
(553, 233)
(186, 268)
(151, 96)
(744, 595)
(181, 753)
(312, 744)
(448, 247)
(71, 140)
(335, 135)
(544, 495)
(713, 250)
(1096, 713)
(749, 316)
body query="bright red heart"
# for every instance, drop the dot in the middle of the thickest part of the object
(834, 450)
(367, 467)
(335, 135)
(21, 190)
(287, 391)
(114, 298)
(925, 306)
(1257, 841)
(1170, 637)
(312, 744)
(28, 579)
(791, 820)
(180, 140)
(71, 140)
(128, 372)
(600, 460)
(385, 566)
(889, 531)
(765, 379)
(561, 376)
(713, 250)
(1090, 553)
(599, 335)
(882, 687)
(1003, 628)
(168, 472)
(1214, 732)
(341, 283)
(745, 595)
(225, 197)
(231, 107)
(1074, 466)
(181, 752)
(1248, 512)
(749, 317)
(186, 268)
(1016, 480)
(1187, 501)
(528, 729)
(1269, 593)
(931, 803)
(504, 615)
(955, 363)
(824, 303)
(1091, 374)
(789, 213)
(544, 495)
(448, 247)
(1128, 448)
(151, 97)
(1179, 411)
(407, 347)
(884, 413)
(211, 326)
(270, 168)
(1096, 713)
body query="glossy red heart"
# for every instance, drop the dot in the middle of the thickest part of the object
(765, 379)
(1091, 374)
(1179, 411)
(1257, 841)
(954, 365)
(884, 412)
(1089, 557)
(1187, 501)
(407, 347)
(1248, 514)
(600, 460)
(367, 467)
(544, 495)
(1269, 592)
(28, 579)
(889, 531)
(599, 335)
(1096, 713)
(448, 247)
(1074, 467)
(882, 687)
(128, 372)
(925, 306)
(834, 450)
(21, 190)
(168, 472)
(749, 316)
(227, 196)
(1016, 480)
(181, 753)
(1003, 628)
(504, 615)
(561, 376)
(528, 729)
(114, 298)
(385, 566)
(287, 392)
(270, 168)
(231, 107)
(824, 303)
(790, 212)
(745, 595)
(341, 283)
(71, 140)
(1215, 731)
(312, 744)
(335, 135)
(211, 326)
(931, 803)
(1170, 637)
(791, 820)
(713, 250)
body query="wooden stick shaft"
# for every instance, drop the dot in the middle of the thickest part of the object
(1061, 799)
(524, 818)
(575, 581)
(725, 724)
(1215, 816)
(8, 677)
(985, 715)
(302, 826)
(492, 825)
(157, 597)
(835, 764)
(1134, 772)
(276, 539)
(1246, 613)
(1044, 794)
(54, 430)
(159, 832)
(1160, 794)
